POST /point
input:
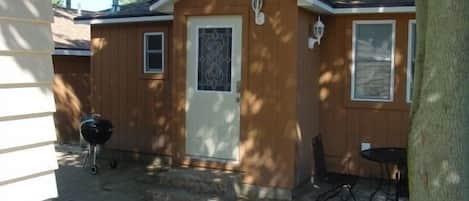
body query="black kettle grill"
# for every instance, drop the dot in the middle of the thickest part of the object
(96, 131)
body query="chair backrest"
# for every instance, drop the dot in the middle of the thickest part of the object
(319, 158)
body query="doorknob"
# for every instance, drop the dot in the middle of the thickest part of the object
(238, 89)
(238, 86)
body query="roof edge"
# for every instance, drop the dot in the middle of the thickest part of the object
(71, 52)
(321, 7)
(316, 5)
(371, 10)
(163, 6)
(158, 18)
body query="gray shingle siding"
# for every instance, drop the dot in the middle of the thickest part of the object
(140, 9)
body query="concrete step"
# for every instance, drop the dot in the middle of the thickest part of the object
(200, 181)
(170, 194)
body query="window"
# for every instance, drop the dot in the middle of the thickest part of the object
(373, 61)
(411, 54)
(153, 53)
(214, 59)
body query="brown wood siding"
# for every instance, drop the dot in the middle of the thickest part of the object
(345, 124)
(268, 105)
(307, 93)
(138, 104)
(72, 95)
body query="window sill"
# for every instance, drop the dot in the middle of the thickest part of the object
(377, 105)
(153, 76)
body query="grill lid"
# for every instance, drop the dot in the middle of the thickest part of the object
(96, 131)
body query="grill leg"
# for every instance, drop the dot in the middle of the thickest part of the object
(85, 157)
(94, 155)
(94, 167)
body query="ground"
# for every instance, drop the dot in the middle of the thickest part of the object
(134, 181)
(126, 183)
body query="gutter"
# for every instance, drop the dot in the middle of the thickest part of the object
(370, 10)
(167, 6)
(317, 6)
(160, 18)
(324, 8)
(71, 52)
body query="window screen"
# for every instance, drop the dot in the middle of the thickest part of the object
(154, 52)
(411, 59)
(373, 61)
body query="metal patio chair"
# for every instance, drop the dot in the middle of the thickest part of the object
(339, 182)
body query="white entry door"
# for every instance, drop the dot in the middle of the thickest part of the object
(213, 87)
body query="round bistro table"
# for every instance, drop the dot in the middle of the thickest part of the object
(387, 156)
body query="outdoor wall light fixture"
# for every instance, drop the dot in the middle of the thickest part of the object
(257, 8)
(318, 32)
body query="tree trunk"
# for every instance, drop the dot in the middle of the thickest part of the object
(439, 137)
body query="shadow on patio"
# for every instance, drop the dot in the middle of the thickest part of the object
(139, 181)
(126, 183)
(362, 191)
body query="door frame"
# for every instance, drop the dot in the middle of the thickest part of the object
(231, 22)
(179, 91)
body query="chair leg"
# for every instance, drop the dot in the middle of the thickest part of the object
(397, 186)
(349, 189)
(336, 192)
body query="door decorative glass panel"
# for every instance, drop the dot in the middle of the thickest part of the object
(214, 59)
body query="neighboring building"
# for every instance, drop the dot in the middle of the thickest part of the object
(27, 154)
(71, 61)
(202, 82)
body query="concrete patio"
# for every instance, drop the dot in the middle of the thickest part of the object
(148, 180)
(128, 182)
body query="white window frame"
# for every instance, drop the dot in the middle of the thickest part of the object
(410, 77)
(145, 51)
(354, 39)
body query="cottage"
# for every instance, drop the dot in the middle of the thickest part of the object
(71, 59)
(245, 85)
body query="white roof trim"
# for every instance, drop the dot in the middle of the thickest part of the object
(127, 20)
(401, 9)
(163, 6)
(316, 5)
(322, 7)
(69, 52)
